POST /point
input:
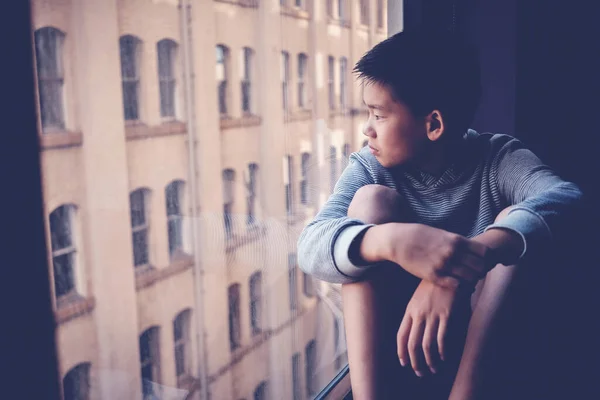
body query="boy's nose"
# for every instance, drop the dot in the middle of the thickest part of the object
(368, 130)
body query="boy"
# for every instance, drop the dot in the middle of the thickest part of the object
(429, 225)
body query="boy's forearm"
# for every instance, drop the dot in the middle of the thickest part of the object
(383, 242)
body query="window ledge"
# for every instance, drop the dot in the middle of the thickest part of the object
(146, 276)
(253, 233)
(245, 121)
(60, 139)
(72, 306)
(139, 130)
(295, 12)
(362, 27)
(241, 3)
(346, 112)
(188, 382)
(300, 115)
(340, 22)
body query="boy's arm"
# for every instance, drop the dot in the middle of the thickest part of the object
(542, 203)
(332, 230)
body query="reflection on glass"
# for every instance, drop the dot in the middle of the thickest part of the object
(184, 146)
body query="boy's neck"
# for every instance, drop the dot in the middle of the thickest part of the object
(438, 156)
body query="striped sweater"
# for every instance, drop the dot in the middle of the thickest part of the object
(492, 173)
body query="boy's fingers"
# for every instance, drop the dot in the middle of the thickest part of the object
(464, 273)
(415, 350)
(430, 344)
(475, 263)
(478, 249)
(441, 337)
(402, 339)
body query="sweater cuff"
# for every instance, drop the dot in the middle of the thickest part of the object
(341, 251)
(527, 224)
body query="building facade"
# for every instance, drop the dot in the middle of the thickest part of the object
(184, 145)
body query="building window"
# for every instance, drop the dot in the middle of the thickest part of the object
(333, 167)
(288, 178)
(167, 51)
(130, 47)
(222, 77)
(296, 386)
(182, 343)
(305, 178)
(251, 186)
(150, 360)
(228, 199)
(50, 75)
(343, 76)
(331, 81)
(330, 8)
(285, 78)
(64, 249)
(345, 157)
(336, 344)
(380, 14)
(235, 332)
(174, 195)
(302, 79)
(342, 9)
(76, 383)
(256, 302)
(364, 12)
(260, 393)
(248, 56)
(308, 285)
(138, 201)
(299, 3)
(311, 365)
(292, 268)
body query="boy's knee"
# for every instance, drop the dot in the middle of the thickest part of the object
(375, 204)
(503, 213)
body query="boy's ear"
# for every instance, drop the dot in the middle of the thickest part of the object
(434, 123)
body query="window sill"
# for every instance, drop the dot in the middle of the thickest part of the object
(363, 27)
(241, 3)
(300, 115)
(138, 130)
(146, 276)
(345, 112)
(72, 306)
(245, 121)
(60, 139)
(340, 22)
(295, 12)
(189, 383)
(253, 233)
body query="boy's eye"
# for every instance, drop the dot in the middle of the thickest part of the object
(377, 117)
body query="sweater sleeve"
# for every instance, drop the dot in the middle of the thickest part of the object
(324, 243)
(542, 202)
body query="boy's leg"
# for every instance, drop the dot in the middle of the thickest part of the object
(373, 310)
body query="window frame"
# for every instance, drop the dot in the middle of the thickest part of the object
(171, 48)
(69, 211)
(133, 81)
(153, 360)
(223, 61)
(82, 369)
(255, 303)
(145, 194)
(302, 81)
(184, 342)
(235, 323)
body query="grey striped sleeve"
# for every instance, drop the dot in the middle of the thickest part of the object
(317, 243)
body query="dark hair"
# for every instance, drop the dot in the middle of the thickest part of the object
(427, 70)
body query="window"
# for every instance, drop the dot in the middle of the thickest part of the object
(260, 393)
(182, 341)
(63, 249)
(76, 383)
(222, 77)
(247, 55)
(343, 75)
(256, 302)
(173, 195)
(292, 268)
(380, 15)
(311, 366)
(150, 360)
(251, 185)
(50, 75)
(228, 199)
(302, 75)
(331, 81)
(364, 12)
(336, 344)
(305, 178)
(235, 332)
(345, 157)
(296, 387)
(130, 76)
(330, 8)
(285, 78)
(288, 178)
(299, 3)
(333, 167)
(342, 9)
(138, 201)
(308, 285)
(167, 50)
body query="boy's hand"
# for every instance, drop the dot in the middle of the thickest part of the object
(439, 256)
(423, 329)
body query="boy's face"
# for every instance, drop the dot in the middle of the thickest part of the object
(395, 134)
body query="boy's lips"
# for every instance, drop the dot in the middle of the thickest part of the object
(373, 149)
